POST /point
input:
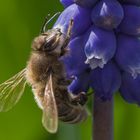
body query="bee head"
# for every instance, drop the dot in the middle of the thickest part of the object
(47, 41)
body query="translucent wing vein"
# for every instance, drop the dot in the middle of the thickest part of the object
(11, 90)
(50, 115)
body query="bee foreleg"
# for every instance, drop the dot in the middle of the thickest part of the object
(70, 28)
(64, 50)
(79, 99)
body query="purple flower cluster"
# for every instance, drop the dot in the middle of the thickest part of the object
(104, 47)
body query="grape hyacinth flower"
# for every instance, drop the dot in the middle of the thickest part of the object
(107, 14)
(81, 18)
(75, 59)
(131, 22)
(104, 50)
(131, 2)
(85, 3)
(130, 88)
(66, 3)
(93, 45)
(100, 46)
(128, 54)
(80, 83)
(106, 81)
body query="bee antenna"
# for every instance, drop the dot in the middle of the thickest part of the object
(47, 21)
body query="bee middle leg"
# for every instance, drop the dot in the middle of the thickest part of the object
(64, 82)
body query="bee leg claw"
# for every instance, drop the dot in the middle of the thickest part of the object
(80, 99)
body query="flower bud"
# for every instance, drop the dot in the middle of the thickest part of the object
(75, 59)
(85, 3)
(131, 22)
(128, 54)
(80, 83)
(81, 17)
(107, 14)
(130, 88)
(66, 3)
(106, 81)
(132, 2)
(100, 46)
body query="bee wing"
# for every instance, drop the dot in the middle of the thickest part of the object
(11, 91)
(50, 115)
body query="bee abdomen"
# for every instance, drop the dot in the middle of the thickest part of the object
(71, 114)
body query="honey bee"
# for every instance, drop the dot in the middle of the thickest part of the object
(46, 75)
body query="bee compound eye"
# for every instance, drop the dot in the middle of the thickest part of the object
(49, 46)
(46, 46)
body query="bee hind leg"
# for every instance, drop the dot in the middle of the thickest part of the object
(79, 99)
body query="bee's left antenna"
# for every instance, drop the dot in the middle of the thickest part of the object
(47, 21)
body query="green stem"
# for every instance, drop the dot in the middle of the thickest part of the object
(102, 119)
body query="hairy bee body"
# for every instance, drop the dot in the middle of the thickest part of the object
(69, 112)
(46, 75)
(38, 70)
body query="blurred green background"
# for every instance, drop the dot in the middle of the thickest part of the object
(20, 22)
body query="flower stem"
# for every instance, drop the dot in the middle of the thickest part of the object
(102, 119)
